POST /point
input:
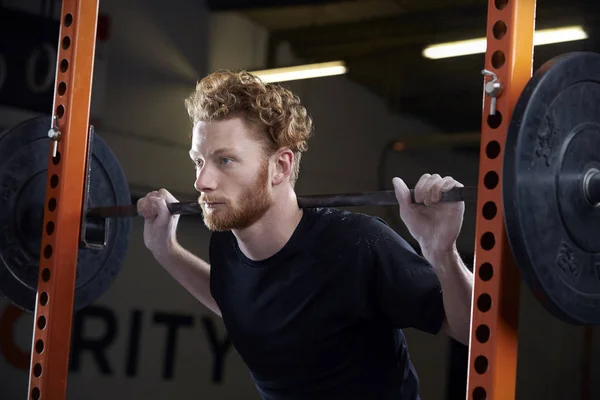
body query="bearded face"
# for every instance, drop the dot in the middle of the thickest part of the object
(232, 174)
(239, 211)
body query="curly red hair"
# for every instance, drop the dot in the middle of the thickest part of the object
(281, 119)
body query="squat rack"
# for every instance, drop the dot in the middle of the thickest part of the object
(494, 337)
(494, 333)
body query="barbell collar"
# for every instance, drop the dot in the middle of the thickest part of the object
(591, 187)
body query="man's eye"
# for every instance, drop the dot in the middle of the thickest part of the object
(225, 160)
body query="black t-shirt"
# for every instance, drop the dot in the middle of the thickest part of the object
(323, 318)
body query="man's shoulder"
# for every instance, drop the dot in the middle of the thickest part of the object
(364, 231)
(339, 227)
(343, 219)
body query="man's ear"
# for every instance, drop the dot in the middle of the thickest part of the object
(284, 162)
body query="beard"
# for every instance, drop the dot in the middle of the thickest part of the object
(254, 201)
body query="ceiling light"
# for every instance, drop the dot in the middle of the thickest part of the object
(306, 71)
(475, 46)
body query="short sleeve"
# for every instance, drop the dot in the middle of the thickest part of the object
(403, 288)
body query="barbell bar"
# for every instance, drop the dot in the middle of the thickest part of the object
(372, 198)
(590, 188)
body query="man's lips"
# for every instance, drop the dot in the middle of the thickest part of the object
(211, 204)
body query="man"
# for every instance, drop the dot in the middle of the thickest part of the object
(314, 300)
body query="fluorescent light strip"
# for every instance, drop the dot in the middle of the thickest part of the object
(306, 71)
(475, 46)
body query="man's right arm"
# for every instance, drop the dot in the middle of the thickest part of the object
(189, 271)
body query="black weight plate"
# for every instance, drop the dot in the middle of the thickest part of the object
(553, 139)
(24, 152)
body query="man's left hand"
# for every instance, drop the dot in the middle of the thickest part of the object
(434, 224)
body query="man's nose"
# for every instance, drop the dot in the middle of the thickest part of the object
(205, 181)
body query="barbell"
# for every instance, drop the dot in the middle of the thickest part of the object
(550, 197)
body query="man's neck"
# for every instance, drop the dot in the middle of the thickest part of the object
(271, 233)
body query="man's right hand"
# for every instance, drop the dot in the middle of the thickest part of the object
(160, 225)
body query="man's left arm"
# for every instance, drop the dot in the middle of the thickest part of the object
(457, 287)
(436, 226)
